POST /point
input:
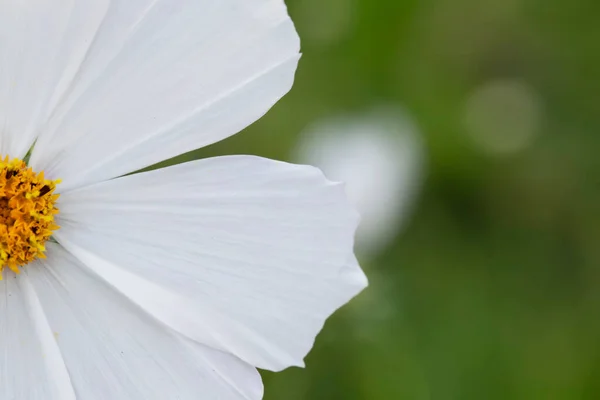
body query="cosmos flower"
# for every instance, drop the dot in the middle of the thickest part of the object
(171, 284)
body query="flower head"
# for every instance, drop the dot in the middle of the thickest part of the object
(27, 210)
(171, 284)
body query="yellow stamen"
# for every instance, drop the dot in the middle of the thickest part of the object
(27, 210)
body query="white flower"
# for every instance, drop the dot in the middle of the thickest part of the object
(171, 284)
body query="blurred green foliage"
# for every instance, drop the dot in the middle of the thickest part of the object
(493, 289)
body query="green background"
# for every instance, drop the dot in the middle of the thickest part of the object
(492, 290)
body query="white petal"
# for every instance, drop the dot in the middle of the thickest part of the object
(244, 254)
(115, 351)
(180, 76)
(42, 45)
(31, 366)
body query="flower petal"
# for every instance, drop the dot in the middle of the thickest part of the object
(42, 45)
(181, 76)
(244, 254)
(113, 350)
(31, 366)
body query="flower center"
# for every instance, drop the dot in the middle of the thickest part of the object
(27, 210)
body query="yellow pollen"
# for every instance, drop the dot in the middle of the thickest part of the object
(27, 210)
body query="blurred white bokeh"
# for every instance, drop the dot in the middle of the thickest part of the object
(503, 116)
(379, 155)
